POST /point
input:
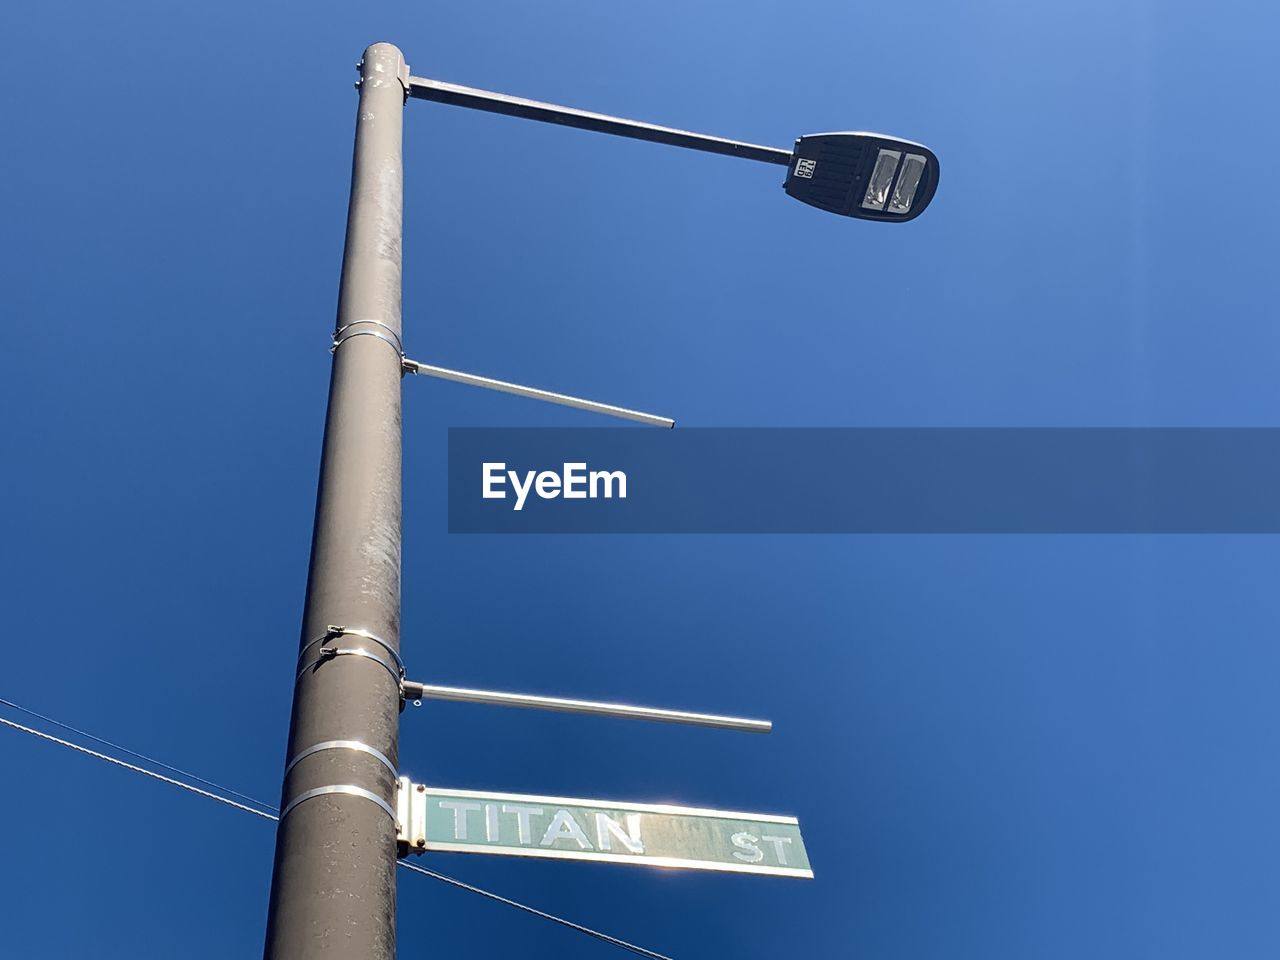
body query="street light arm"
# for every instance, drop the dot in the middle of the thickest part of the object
(459, 96)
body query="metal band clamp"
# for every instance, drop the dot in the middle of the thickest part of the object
(344, 333)
(338, 631)
(356, 745)
(329, 653)
(348, 788)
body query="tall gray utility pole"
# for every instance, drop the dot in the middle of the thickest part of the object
(333, 890)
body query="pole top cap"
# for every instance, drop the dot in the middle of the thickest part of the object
(383, 63)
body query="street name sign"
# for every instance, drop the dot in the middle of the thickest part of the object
(645, 834)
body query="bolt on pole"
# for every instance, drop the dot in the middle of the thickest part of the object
(333, 888)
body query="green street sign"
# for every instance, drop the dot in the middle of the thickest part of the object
(645, 834)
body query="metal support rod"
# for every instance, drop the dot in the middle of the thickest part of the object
(421, 691)
(459, 96)
(333, 891)
(503, 386)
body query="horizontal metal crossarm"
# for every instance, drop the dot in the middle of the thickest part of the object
(503, 386)
(419, 691)
(438, 91)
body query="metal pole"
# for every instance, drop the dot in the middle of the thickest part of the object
(333, 889)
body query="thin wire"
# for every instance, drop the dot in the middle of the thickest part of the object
(537, 913)
(141, 770)
(604, 937)
(139, 756)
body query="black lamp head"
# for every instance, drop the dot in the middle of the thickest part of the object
(864, 175)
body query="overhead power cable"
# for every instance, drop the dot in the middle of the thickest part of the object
(146, 773)
(444, 878)
(137, 756)
(537, 913)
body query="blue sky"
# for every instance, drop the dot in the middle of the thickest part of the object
(998, 747)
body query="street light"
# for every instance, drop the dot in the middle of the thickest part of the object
(867, 176)
(864, 175)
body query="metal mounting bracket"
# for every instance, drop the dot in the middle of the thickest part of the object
(411, 816)
(403, 77)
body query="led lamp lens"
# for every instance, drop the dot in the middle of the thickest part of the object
(881, 178)
(908, 181)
